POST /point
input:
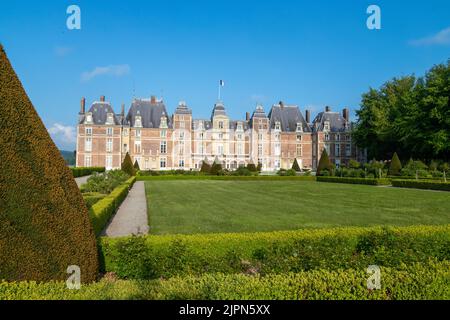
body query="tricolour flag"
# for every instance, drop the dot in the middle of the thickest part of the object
(222, 83)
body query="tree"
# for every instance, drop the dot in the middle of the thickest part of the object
(353, 164)
(324, 163)
(396, 165)
(216, 167)
(127, 165)
(206, 168)
(251, 167)
(44, 225)
(295, 166)
(136, 166)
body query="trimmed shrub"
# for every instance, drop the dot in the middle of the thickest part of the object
(136, 166)
(284, 172)
(44, 223)
(105, 182)
(421, 184)
(151, 257)
(324, 163)
(295, 166)
(92, 198)
(127, 166)
(216, 168)
(206, 168)
(228, 177)
(86, 171)
(102, 211)
(251, 167)
(418, 281)
(372, 181)
(396, 165)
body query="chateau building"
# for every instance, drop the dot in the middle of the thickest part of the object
(158, 141)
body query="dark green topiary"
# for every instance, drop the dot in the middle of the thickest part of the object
(324, 163)
(396, 165)
(295, 166)
(251, 167)
(44, 223)
(216, 168)
(206, 168)
(127, 165)
(136, 166)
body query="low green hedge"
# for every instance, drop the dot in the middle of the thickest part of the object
(149, 257)
(372, 182)
(102, 211)
(422, 184)
(238, 178)
(85, 171)
(430, 281)
(91, 198)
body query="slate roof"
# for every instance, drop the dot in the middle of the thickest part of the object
(218, 110)
(259, 112)
(288, 116)
(150, 113)
(183, 109)
(337, 121)
(100, 112)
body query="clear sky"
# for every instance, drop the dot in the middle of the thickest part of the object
(309, 53)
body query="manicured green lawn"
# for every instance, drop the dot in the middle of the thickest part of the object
(203, 206)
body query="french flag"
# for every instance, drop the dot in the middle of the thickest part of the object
(222, 83)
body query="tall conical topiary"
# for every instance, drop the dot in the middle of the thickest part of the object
(44, 223)
(324, 163)
(396, 165)
(127, 165)
(136, 166)
(295, 166)
(206, 167)
(216, 167)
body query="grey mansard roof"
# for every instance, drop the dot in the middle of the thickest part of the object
(99, 111)
(218, 110)
(150, 113)
(288, 116)
(337, 121)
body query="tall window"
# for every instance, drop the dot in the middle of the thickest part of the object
(125, 147)
(327, 137)
(220, 124)
(87, 161)
(182, 124)
(181, 148)
(181, 163)
(260, 149)
(181, 135)
(240, 149)
(260, 136)
(299, 150)
(337, 150)
(163, 147)
(200, 148)
(109, 145)
(147, 165)
(138, 133)
(109, 131)
(277, 149)
(299, 137)
(220, 149)
(163, 133)
(88, 131)
(108, 163)
(88, 145)
(137, 147)
(348, 150)
(162, 163)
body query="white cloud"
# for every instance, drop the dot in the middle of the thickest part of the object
(112, 70)
(64, 137)
(440, 38)
(62, 51)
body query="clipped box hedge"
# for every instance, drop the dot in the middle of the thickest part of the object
(85, 171)
(422, 184)
(372, 182)
(103, 210)
(235, 178)
(430, 281)
(150, 257)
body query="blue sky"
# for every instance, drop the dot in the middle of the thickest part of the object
(309, 53)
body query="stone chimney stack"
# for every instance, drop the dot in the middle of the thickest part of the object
(122, 111)
(247, 116)
(327, 109)
(153, 99)
(308, 116)
(102, 98)
(346, 114)
(83, 105)
(281, 104)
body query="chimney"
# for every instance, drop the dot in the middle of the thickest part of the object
(247, 116)
(153, 99)
(102, 98)
(346, 114)
(327, 109)
(308, 116)
(281, 104)
(122, 111)
(83, 105)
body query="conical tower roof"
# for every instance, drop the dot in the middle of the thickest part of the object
(44, 223)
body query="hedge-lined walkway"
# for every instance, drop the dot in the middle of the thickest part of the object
(81, 180)
(131, 218)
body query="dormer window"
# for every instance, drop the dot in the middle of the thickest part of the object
(220, 124)
(239, 126)
(299, 127)
(89, 117)
(200, 125)
(163, 123)
(277, 125)
(326, 126)
(138, 121)
(110, 118)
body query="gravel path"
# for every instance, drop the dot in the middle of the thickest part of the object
(81, 180)
(131, 218)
